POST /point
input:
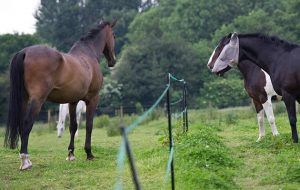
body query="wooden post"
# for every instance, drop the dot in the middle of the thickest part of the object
(49, 116)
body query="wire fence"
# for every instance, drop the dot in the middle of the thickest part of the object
(125, 148)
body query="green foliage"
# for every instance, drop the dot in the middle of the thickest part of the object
(196, 20)
(110, 93)
(212, 165)
(139, 108)
(170, 54)
(101, 121)
(113, 131)
(11, 44)
(63, 22)
(223, 93)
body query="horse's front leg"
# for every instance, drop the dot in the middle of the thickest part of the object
(289, 102)
(90, 111)
(270, 115)
(32, 111)
(73, 129)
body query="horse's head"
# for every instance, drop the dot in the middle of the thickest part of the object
(225, 55)
(109, 49)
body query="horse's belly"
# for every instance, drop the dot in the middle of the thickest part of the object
(65, 96)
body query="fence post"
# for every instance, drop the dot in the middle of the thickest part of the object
(49, 116)
(130, 159)
(185, 107)
(170, 138)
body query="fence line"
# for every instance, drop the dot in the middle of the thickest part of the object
(125, 147)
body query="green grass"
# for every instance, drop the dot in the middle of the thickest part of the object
(219, 152)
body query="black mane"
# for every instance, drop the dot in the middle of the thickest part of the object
(272, 39)
(94, 31)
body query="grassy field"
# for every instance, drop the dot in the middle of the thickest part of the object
(219, 152)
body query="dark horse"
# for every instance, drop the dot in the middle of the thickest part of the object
(39, 73)
(259, 87)
(279, 58)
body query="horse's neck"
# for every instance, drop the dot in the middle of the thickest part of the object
(260, 52)
(247, 68)
(92, 48)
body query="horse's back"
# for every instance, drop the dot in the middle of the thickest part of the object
(55, 76)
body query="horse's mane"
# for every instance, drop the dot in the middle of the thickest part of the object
(94, 31)
(272, 39)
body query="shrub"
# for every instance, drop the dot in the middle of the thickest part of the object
(102, 121)
(223, 93)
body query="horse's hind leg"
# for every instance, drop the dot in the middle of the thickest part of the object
(290, 105)
(78, 116)
(270, 115)
(33, 108)
(73, 129)
(91, 106)
(260, 119)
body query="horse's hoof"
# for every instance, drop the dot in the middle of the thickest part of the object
(90, 157)
(276, 134)
(259, 138)
(25, 167)
(25, 162)
(70, 158)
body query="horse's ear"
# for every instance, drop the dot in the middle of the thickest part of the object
(113, 23)
(234, 39)
(100, 21)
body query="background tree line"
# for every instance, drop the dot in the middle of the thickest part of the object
(155, 37)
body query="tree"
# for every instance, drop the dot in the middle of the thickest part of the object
(223, 93)
(11, 44)
(63, 22)
(147, 66)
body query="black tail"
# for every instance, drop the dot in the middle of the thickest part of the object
(16, 101)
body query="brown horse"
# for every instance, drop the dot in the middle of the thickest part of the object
(39, 73)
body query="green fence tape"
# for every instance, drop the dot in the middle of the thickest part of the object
(142, 117)
(171, 156)
(174, 78)
(120, 165)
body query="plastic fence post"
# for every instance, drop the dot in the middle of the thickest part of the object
(131, 161)
(186, 109)
(170, 138)
(183, 108)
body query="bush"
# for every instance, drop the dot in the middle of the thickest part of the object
(155, 115)
(101, 121)
(213, 166)
(112, 131)
(279, 107)
(223, 93)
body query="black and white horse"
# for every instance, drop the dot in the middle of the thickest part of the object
(279, 58)
(259, 87)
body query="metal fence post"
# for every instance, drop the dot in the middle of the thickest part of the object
(130, 159)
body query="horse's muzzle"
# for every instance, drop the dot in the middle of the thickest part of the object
(111, 63)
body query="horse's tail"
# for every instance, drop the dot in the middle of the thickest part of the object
(16, 101)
